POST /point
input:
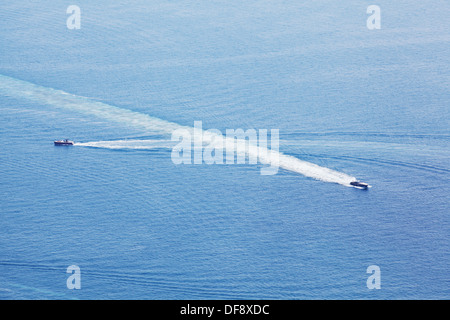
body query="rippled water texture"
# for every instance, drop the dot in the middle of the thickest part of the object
(349, 103)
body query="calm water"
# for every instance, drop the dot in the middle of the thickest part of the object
(371, 104)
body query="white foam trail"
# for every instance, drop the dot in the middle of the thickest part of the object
(287, 162)
(128, 144)
(60, 99)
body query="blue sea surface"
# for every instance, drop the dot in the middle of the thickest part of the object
(373, 104)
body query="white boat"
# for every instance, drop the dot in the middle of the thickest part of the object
(360, 185)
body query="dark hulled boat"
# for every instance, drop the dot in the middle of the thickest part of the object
(360, 185)
(65, 142)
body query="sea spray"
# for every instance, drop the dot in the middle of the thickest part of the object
(60, 99)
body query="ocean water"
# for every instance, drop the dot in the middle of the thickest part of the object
(348, 102)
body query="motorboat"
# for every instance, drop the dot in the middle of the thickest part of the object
(64, 142)
(360, 185)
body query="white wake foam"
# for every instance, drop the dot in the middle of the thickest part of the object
(60, 99)
(128, 144)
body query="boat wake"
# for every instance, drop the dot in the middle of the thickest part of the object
(151, 125)
(128, 144)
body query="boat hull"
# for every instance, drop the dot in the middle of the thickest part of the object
(63, 143)
(359, 185)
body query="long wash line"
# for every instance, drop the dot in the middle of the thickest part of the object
(272, 158)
